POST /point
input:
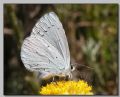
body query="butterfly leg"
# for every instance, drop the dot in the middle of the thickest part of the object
(53, 79)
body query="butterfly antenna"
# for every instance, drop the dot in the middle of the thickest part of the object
(85, 66)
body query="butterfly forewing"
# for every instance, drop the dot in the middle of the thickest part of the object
(54, 33)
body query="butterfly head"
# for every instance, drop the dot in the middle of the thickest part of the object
(68, 72)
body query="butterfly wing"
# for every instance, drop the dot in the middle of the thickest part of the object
(46, 49)
(51, 28)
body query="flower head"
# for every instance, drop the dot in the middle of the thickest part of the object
(67, 88)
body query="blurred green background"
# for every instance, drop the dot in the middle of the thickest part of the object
(92, 33)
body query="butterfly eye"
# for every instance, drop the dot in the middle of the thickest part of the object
(72, 68)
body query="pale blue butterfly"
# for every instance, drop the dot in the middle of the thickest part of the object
(46, 49)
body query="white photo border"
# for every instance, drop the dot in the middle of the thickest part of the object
(2, 2)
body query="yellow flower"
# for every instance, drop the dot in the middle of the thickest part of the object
(67, 88)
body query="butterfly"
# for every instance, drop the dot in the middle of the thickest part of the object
(46, 50)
